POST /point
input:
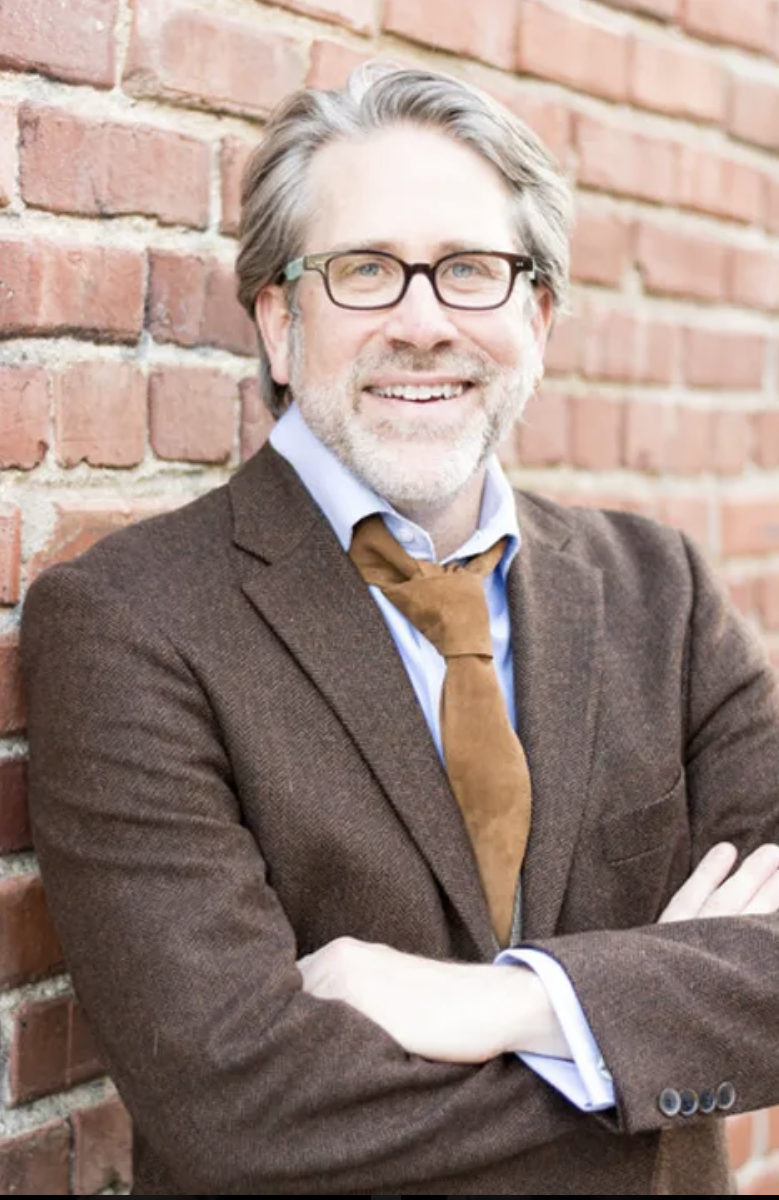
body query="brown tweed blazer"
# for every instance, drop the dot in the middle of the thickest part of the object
(229, 769)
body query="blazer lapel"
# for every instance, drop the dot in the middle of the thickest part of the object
(556, 607)
(303, 585)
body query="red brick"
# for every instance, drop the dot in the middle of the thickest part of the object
(750, 526)
(672, 78)
(716, 358)
(36, 1163)
(193, 413)
(742, 593)
(100, 414)
(15, 832)
(614, 158)
(51, 1049)
(68, 39)
(674, 262)
(550, 120)
(29, 945)
(754, 112)
(256, 421)
(8, 123)
(767, 589)
(69, 164)
(765, 1183)
(51, 288)
(754, 279)
(741, 1139)
(331, 64)
(544, 434)
(644, 436)
(665, 10)
(765, 428)
(691, 514)
(11, 702)
(772, 216)
(225, 323)
(202, 59)
(571, 50)
(353, 14)
(563, 350)
(747, 25)
(233, 158)
(10, 552)
(102, 1148)
(192, 301)
(487, 32)
(80, 521)
(689, 446)
(601, 248)
(617, 345)
(731, 442)
(24, 416)
(596, 432)
(721, 186)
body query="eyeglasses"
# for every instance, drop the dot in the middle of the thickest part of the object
(367, 279)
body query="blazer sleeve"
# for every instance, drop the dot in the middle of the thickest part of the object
(695, 1005)
(184, 961)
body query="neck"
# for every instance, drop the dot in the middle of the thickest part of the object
(452, 522)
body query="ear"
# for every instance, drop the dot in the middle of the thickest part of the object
(542, 318)
(273, 319)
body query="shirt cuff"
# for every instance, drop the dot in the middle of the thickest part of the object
(585, 1081)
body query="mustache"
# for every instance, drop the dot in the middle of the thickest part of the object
(410, 362)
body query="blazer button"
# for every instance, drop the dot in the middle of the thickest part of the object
(689, 1102)
(707, 1101)
(669, 1102)
(726, 1097)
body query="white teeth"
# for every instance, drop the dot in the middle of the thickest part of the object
(445, 391)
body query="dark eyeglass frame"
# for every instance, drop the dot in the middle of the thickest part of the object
(519, 263)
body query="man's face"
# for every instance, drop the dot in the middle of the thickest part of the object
(355, 374)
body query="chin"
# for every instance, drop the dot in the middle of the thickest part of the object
(412, 474)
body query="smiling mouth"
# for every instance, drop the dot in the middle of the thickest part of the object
(420, 393)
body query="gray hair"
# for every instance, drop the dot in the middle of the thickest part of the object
(275, 203)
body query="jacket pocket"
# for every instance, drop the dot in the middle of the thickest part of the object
(627, 834)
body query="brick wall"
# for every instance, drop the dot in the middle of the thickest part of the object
(126, 369)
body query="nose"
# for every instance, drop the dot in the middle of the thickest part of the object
(420, 319)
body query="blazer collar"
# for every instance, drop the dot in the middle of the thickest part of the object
(298, 578)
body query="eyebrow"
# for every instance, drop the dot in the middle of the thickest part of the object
(390, 247)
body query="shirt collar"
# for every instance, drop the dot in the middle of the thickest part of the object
(344, 499)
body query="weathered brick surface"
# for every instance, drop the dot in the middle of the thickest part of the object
(36, 1163)
(331, 64)
(70, 164)
(749, 25)
(207, 59)
(29, 948)
(102, 1148)
(69, 39)
(24, 416)
(192, 414)
(676, 263)
(672, 78)
(10, 552)
(100, 416)
(52, 1049)
(11, 700)
(569, 49)
(192, 301)
(234, 155)
(615, 157)
(601, 247)
(717, 358)
(15, 832)
(54, 288)
(359, 15)
(487, 32)
(8, 125)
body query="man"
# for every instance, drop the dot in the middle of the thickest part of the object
(281, 901)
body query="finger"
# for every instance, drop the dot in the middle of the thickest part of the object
(714, 867)
(766, 899)
(732, 898)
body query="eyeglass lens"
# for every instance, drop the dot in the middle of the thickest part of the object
(473, 280)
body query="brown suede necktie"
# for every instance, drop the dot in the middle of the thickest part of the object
(484, 758)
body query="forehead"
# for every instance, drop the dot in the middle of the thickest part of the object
(409, 189)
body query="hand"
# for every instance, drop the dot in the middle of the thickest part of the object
(449, 1012)
(712, 891)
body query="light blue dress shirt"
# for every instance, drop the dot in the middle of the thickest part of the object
(345, 500)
